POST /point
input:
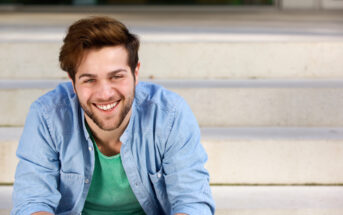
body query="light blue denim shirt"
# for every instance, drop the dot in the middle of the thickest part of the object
(161, 154)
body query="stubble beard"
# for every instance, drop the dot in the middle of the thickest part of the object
(100, 123)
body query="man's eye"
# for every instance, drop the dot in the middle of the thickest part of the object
(89, 80)
(117, 76)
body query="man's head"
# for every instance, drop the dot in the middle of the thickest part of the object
(100, 56)
(96, 33)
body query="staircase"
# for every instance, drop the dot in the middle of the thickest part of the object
(265, 85)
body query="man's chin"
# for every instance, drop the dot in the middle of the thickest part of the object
(106, 126)
(102, 124)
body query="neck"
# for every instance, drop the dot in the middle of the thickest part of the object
(108, 141)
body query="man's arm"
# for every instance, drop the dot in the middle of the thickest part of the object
(186, 179)
(37, 173)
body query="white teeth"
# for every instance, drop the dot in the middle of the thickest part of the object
(106, 107)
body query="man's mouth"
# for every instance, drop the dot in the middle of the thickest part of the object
(107, 106)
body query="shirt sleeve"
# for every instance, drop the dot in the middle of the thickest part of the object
(187, 180)
(37, 173)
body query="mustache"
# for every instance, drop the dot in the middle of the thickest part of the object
(108, 100)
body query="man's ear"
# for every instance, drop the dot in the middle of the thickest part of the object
(137, 72)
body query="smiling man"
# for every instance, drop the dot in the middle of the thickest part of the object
(105, 144)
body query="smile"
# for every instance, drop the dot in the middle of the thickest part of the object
(106, 107)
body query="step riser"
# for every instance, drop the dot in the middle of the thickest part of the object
(8, 160)
(16, 106)
(266, 107)
(312, 107)
(192, 60)
(275, 161)
(267, 161)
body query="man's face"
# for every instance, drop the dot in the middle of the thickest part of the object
(105, 86)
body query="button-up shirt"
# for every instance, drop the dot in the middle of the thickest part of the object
(161, 155)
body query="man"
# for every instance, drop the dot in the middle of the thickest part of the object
(104, 144)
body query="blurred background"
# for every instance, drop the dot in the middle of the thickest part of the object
(263, 77)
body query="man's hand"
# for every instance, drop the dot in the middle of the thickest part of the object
(42, 213)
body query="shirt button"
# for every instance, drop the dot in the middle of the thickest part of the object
(159, 175)
(86, 181)
(90, 148)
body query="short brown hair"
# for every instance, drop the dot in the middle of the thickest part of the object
(95, 33)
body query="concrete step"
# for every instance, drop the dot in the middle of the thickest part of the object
(310, 103)
(248, 156)
(199, 42)
(193, 56)
(274, 155)
(260, 200)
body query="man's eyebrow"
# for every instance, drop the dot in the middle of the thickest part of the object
(87, 75)
(116, 71)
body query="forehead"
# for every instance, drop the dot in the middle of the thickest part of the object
(104, 59)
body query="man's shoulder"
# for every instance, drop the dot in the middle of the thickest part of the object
(148, 93)
(61, 97)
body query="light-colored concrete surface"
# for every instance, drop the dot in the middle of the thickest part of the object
(184, 19)
(193, 44)
(274, 155)
(5, 211)
(231, 103)
(332, 4)
(8, 161)
(300, 5)
(269, 200)
(278, 197)
(13, 115)
(193, 60)
(246, 155)
(270, 161)
(255, 200)
(5, 198)
(9, 138)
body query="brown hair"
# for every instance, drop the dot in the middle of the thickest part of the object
(95, 33)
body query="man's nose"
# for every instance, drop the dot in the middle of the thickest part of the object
(105, 91)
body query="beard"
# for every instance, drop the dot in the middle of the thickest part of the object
(115, 123)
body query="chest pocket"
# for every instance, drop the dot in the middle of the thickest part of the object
(70, 187)
(157, 180)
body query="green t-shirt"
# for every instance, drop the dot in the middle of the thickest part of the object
(110, 192)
